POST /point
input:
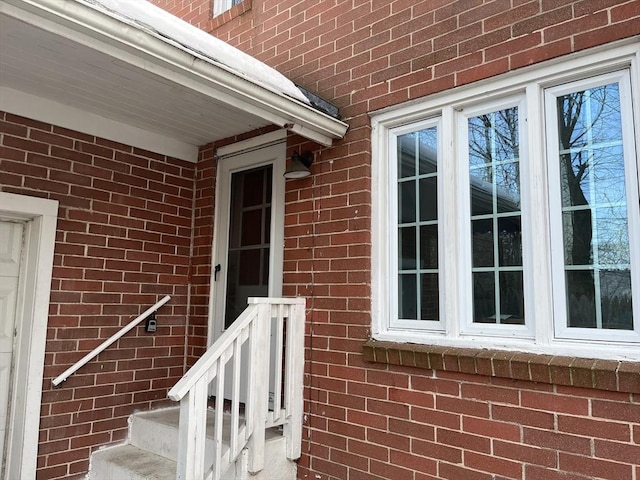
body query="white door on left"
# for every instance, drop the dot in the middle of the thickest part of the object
(11, 239)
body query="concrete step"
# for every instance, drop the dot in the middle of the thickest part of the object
(152, 450)
(157, 432)
(127, 462)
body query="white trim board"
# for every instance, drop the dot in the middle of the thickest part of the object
(40, 217)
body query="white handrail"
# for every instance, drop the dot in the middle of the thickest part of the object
(84, 360)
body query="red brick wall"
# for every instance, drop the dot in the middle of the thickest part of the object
(401, 423)
(203, 209)
(373, 421)
(123, 242)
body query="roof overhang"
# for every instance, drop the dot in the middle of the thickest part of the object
(81, 65)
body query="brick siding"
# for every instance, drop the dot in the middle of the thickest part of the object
(389, 420)
(123, 241)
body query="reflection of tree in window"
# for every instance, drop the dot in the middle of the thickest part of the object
(494, 174)
(596, 246)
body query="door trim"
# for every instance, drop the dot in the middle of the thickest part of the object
(32, 307)
(259, 151)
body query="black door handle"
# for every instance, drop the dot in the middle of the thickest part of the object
(216, 269)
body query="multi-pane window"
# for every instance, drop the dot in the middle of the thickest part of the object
(512, 217)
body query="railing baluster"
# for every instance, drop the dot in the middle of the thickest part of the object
(235, 396)
(278, 354)
(218, 422)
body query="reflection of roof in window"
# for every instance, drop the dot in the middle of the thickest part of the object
(146, 16)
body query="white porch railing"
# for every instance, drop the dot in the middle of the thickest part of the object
(251, 333)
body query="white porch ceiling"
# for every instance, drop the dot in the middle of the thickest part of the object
(62, 58)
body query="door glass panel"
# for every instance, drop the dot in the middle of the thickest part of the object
(249, 239)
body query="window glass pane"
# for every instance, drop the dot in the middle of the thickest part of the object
(408, 301)
(429, 297)
(509, 241)
(407, 202)
(511, 298)
(251, 227)
(496, 227)
(581, 310)
(616, 299)
(428, 147)
(494, 137)
(612, 236)
(429, 246)
(482, 243)
(508, 187)
(407, 155)
(484, 298)
(594, 209)
(481, 192)
(576, 226)
(417, 225)
(253, 188)
(407, 248)
(428, 199)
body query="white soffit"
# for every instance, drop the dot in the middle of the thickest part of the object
(129, 71)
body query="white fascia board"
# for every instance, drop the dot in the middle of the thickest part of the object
(96, 29)
(50, 111)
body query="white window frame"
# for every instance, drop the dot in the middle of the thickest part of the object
(468, 327)
(221, 6)
(393, 220)
(450, 110)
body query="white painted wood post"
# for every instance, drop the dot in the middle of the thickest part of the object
(295, 376)
(192, 432)
(259, 361)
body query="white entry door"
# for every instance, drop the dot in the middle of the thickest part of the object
(249, 235)
(11, 240)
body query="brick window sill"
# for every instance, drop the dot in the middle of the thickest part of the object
(611, 375)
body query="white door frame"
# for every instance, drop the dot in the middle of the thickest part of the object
(32, 308)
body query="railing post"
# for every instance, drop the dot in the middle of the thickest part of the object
(192, 433)
(295, 379)
(259, 397)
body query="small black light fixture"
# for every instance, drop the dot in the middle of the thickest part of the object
(299, 165)
(151, 323)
